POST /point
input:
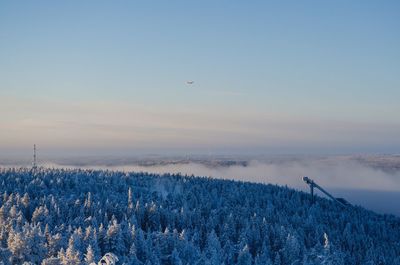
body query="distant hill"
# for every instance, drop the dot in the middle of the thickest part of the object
(57, 216)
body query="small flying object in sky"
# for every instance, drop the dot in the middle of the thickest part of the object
(189, 82)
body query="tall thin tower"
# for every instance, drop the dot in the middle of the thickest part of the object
(34, 165)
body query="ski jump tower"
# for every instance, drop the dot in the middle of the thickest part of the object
(313, 185)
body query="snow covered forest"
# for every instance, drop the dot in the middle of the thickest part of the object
(56, 216)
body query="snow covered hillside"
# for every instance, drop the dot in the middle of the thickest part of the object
(55, 216)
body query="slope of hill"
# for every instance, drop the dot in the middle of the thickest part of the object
(56, 216)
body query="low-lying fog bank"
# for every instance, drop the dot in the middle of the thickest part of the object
(370, 181)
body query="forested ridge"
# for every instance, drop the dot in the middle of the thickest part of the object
(60, 216)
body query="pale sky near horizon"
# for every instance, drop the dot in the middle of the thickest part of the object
(269, 76)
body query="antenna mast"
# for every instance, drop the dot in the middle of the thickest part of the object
(34, 165)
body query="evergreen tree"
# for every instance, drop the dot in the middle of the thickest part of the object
(17, 246)
(175, 259)
(264, 257)
(90, 256)
(244, 256)
(71, 256)
(36, 241)
(115, 239)
(213, 249)
(132, 257)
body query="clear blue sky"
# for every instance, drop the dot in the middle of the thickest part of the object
(269, 76)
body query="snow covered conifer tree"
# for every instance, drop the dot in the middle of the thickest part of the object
(140, 244)
(277, 260)
(213, 249)
(292, 249)
(264, 258)
(89, 256)
(54, 243)
(17, 246)
(115, 240)
(132, 258)
(71, 255)
(41, 214)
(130, 200)
(175, 259)
(244, 256)
(36, 242)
